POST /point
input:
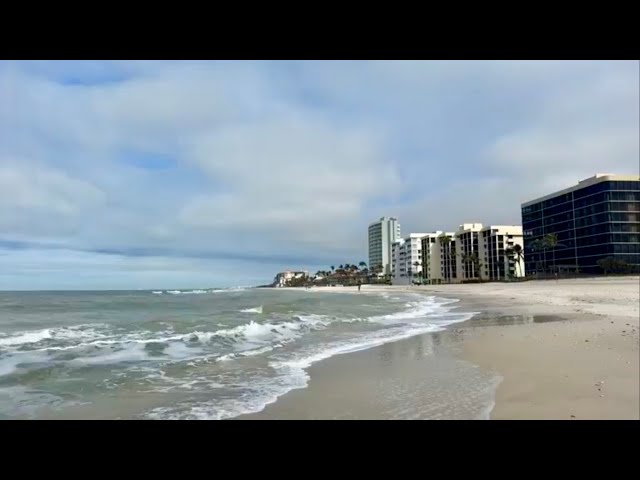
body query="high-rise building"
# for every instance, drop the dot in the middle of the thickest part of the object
(595, 219)
(382, 235)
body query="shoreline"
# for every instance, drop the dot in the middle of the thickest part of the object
(563, 349)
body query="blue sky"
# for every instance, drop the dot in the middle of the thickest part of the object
(134, 174)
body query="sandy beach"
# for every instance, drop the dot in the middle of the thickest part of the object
(563, 349)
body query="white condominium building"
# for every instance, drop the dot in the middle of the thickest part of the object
(382, 235)
(471, 253)
(406, 257)
(499, 246)
(438, 258)
(467, 249)
(488, 253)
(474, 252)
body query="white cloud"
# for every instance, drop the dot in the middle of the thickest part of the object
(293, 175)
(35, 198)
(279, 158)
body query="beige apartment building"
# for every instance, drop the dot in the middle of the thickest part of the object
(471, 253)
(486, 253)
(468, 245)
(497, 243)
(439, 257)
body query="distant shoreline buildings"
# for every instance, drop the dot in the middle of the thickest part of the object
(592, 227)
(472, 253)
(582, 228)
(282, 279)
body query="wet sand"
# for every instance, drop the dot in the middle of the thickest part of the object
(415, 378)
(562, 350)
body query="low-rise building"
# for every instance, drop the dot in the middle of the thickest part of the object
(282, 278)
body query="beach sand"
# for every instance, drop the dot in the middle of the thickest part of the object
(563, 349)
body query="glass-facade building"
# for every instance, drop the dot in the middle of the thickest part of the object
(598, 218)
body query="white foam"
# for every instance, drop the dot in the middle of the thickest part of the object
(202, 292)
(252, 310)
(229, 290)
(246, 353)
(25, 338)
(61, 333)
(9, 364)
(157, 292)
(297, 366)
(261, 332)
(493, 388)
(181, 351)
(292, 374)
(186, 292)
(131, 353)
(419, 309)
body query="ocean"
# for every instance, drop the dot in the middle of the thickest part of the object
(189, 354)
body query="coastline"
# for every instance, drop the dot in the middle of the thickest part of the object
(559, 349)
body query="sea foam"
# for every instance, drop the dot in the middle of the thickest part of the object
(291, 371)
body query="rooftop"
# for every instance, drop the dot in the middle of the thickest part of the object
(383, 219)
(597, 178)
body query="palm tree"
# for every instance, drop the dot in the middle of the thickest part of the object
(551, 241)
(477, 264)
(606, 264)
(519, 256)
(510, 254)
(466, 258)
(332, 269)
(445, 242)
(417, 264)
(363, 265)
(473, 259)
(536, 246)
(376, 270)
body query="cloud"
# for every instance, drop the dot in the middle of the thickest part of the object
(295, 177)
(37, 199)
(285, 161)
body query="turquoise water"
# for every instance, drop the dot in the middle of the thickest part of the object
(196, 354)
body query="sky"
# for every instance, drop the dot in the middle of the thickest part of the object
(197, 174)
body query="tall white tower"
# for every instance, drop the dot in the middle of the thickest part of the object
(382, 234)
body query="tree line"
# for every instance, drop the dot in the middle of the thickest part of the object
(344, 274)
